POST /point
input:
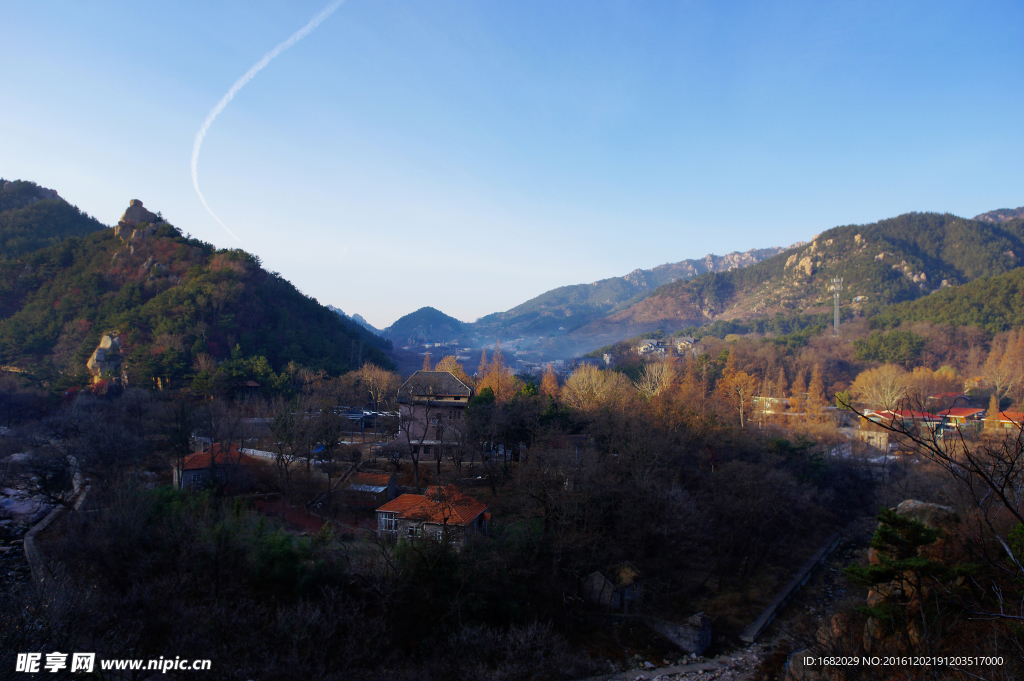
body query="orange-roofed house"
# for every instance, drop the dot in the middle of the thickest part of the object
(442, 514)
(369, 490)
(215, 466)
(961, 416)
(1008, 420)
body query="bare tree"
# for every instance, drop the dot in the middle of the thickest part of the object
(1004, 368)
(380, 383)
(655, 378)
(882, 388)
(417, 422)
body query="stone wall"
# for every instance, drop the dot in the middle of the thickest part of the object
(693, 635)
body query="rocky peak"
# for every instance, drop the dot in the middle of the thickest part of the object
(133, 217)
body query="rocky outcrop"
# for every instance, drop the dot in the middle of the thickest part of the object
(105, 361)
(911, 593)
(134, 217)
(1002, 215)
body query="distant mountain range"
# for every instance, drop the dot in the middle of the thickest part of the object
(428, 325)
(560, 311)
(357, 318)
(890, 261)
(567, 308)
(66, 280)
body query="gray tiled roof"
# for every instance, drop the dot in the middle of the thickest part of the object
(439, 383)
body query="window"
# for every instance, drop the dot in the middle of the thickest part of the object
(411, 531)
(388, 523)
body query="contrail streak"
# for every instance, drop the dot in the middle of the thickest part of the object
(239, 84)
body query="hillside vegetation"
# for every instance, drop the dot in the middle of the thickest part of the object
(186, 312)
(569, 307)
(426, 324)
(995, 304)
(883, 263)
(32, 217)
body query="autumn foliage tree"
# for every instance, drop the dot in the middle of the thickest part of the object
(738, 388)
(451, 364)
(883, 387)
(798, 400)
(816, 402)
(591, 388)
(498, 378)
(549, 384)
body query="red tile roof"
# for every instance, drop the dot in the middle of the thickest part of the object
(1014, 416)
(961, 412)
(435, 506)
(220, 457)
(371, 479)
(907, 414)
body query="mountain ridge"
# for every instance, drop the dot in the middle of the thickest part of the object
(567, 307)
(33, 217)
(882, 263)
(180, 311)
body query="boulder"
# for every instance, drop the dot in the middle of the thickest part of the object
(106, 358)
(137, 215)
(936, 517)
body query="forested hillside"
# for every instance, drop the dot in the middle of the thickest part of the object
(887, 262)
(995, 304)
(568, 307)
(426, 325)
(32, 217)
(186, 313)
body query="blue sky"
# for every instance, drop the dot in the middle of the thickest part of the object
(470, 156)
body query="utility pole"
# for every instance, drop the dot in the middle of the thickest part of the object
(836, 288)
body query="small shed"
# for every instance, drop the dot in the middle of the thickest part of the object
(218, 466)
(369, 490)
(618, 591)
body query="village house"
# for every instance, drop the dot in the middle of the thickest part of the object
(1007, 420)
(216, 466)
(431, 409)
(961, 417)
(369, 490)
(649, 347)
(684, 344)
(442, 514)
(908, 420)
(770, 405)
